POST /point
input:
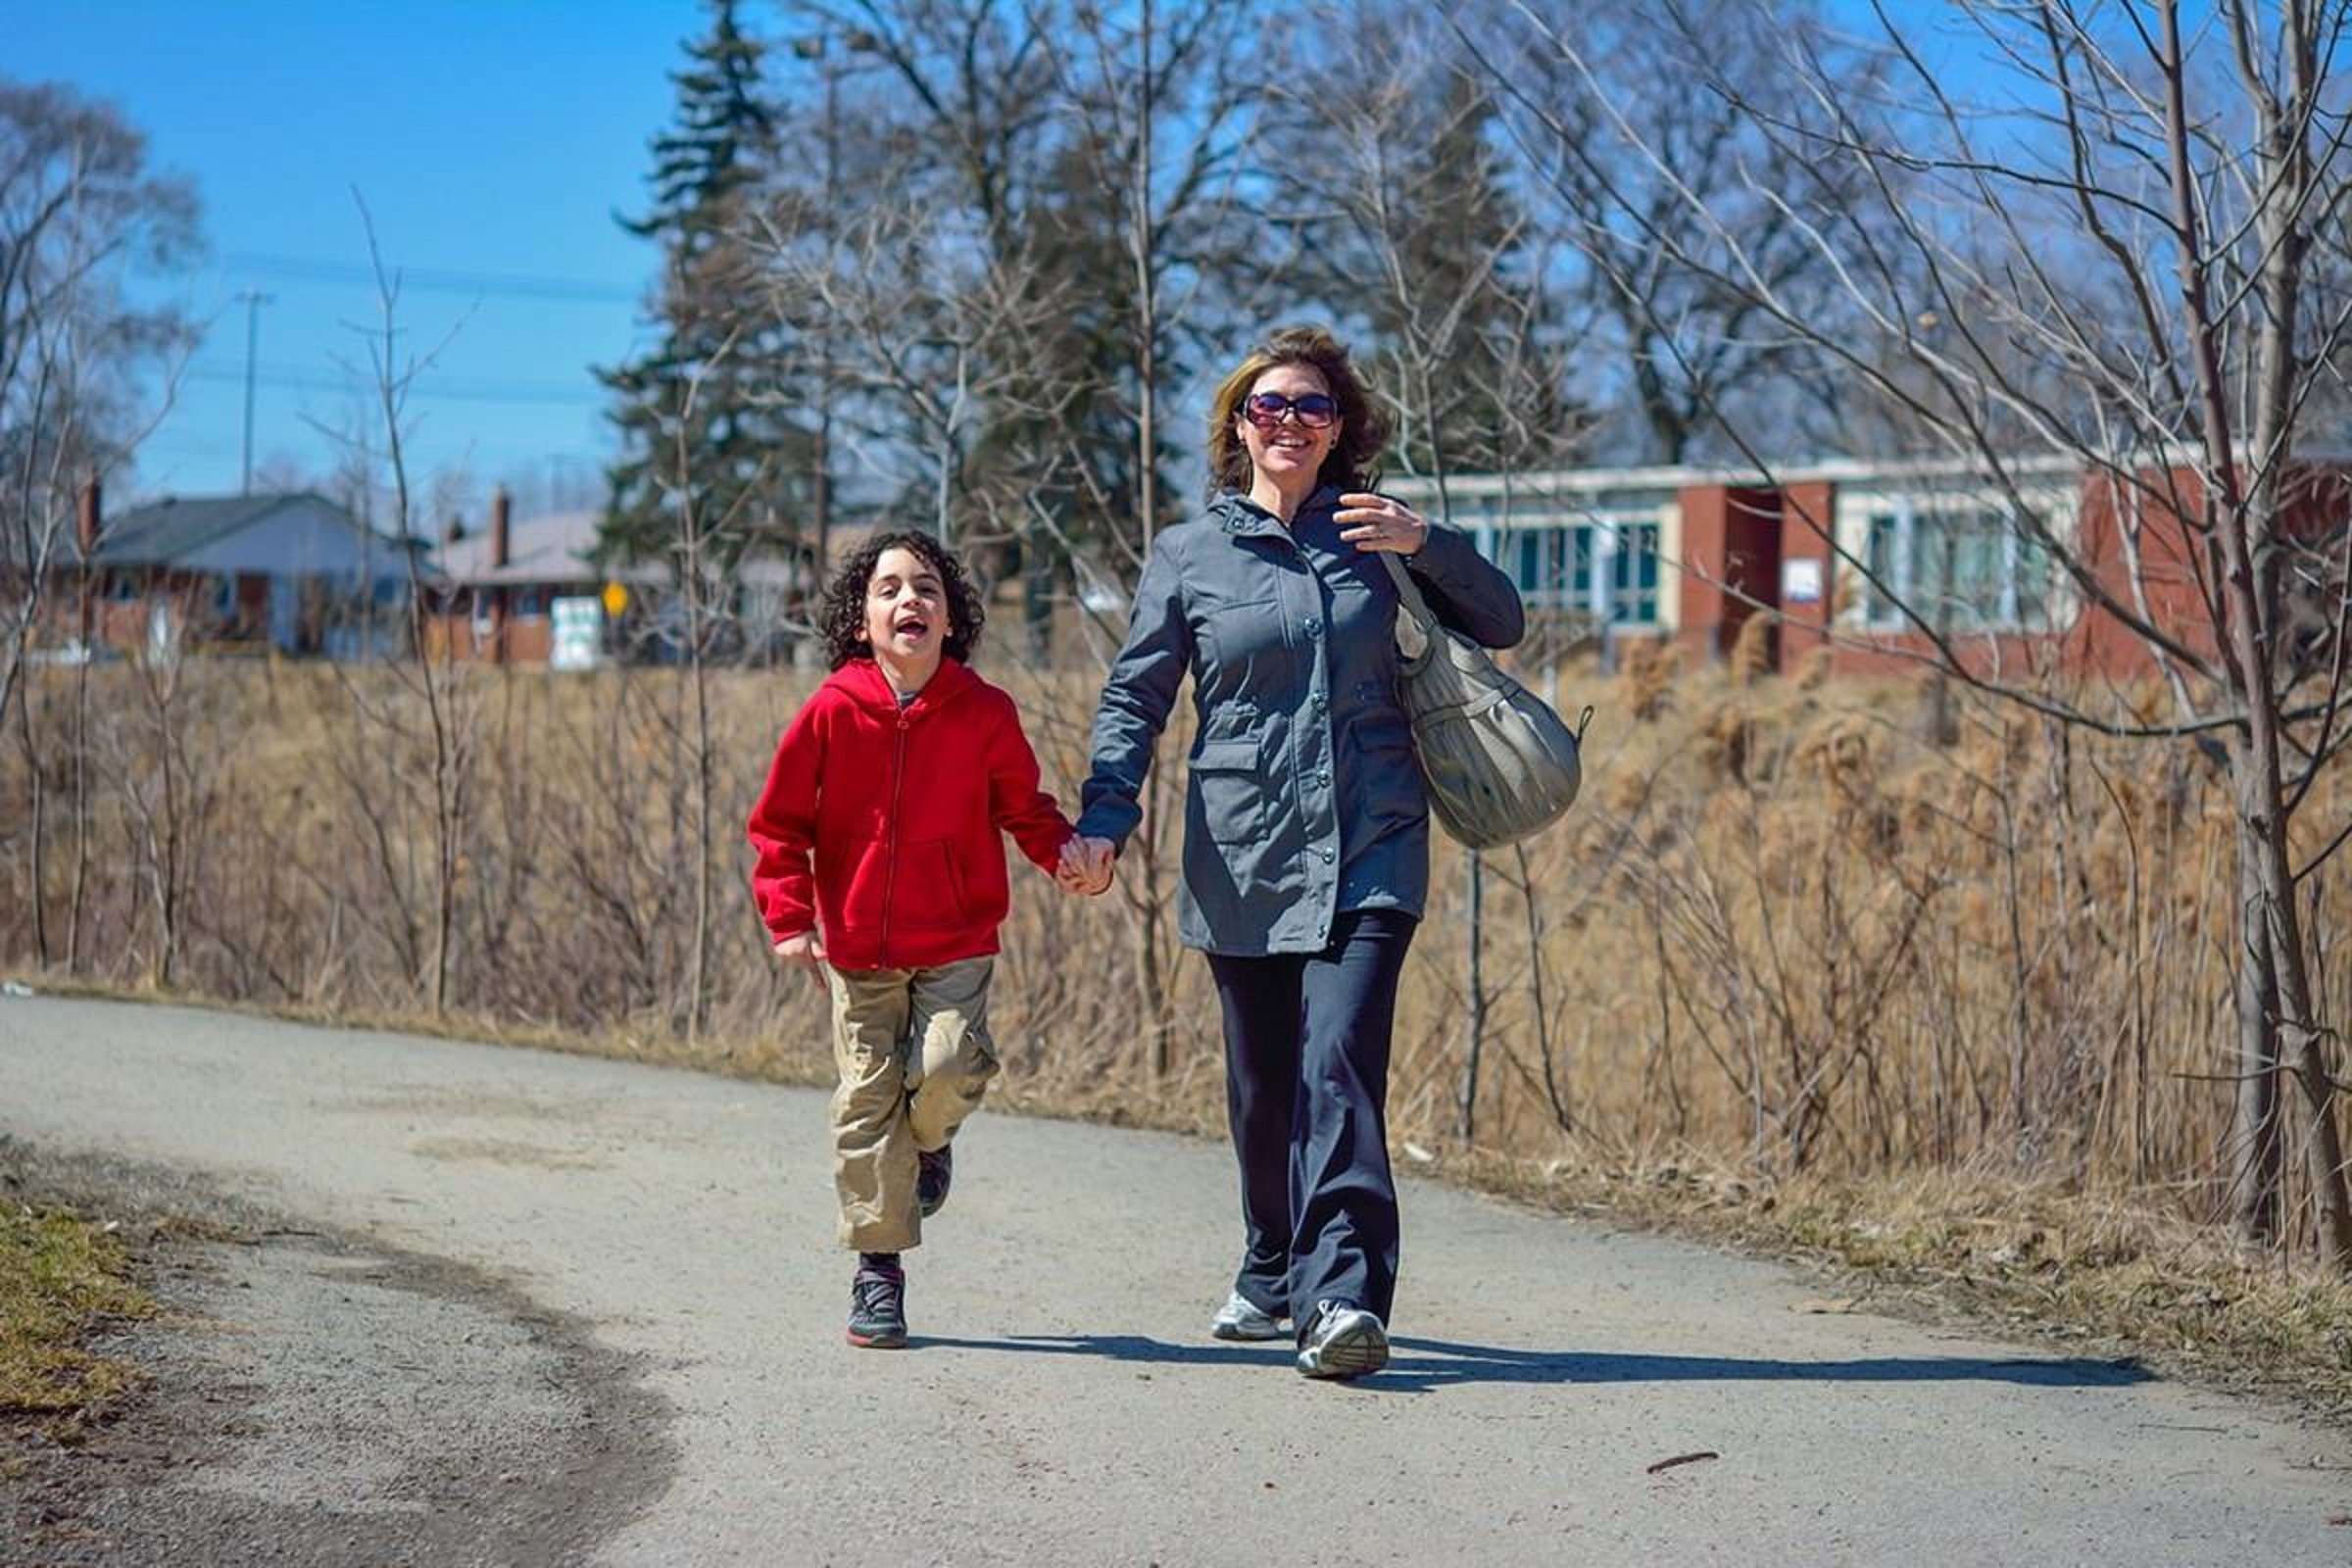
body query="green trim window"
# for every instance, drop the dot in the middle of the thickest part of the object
(1601, 565)
(1972, 568)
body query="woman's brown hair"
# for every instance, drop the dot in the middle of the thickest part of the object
(1363, 429)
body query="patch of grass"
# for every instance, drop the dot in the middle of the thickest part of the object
(59, 1277)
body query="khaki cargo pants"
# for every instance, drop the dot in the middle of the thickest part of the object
(914, 1057)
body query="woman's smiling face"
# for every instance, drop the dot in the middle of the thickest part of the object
(1288, 450)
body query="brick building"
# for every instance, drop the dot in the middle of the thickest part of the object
(498, 595)
(1687, 555)
(530, 591)
(295, 573)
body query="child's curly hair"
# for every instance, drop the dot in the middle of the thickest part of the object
(844, 613)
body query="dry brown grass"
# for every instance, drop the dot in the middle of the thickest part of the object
(2031, 1257)
(1778, 937)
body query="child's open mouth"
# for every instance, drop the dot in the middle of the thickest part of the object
(911, 627)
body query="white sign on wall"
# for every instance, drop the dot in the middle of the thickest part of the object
(575, 633)
(1800, 581)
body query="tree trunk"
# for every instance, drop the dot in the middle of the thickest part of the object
(2255, 1141)
(78, 899)
(1151, 963)
(2303, 1044)
(2245, 520)
(39, 826)
(1146, 290)
(699, 974)
(1467, 1104)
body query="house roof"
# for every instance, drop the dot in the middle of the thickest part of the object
(559, 547)
(175, 527)
(554, 547)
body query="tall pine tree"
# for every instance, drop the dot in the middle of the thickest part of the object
(708, 446)
(1405, 224)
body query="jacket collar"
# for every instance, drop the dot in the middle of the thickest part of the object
(862, 681)
(1239, 515)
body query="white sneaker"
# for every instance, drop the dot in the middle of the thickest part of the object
(1240, 1318)
(1344, 1341)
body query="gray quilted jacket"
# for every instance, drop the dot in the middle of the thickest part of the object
(1303, 800)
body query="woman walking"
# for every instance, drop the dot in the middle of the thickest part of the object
(1306, 833)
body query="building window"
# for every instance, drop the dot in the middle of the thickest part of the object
(531, 602)
(1600, 565)
(1633, 574)
(1968, 567)
(1553, 568)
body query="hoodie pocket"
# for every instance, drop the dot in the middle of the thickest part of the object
(851, 883)
(929, 894)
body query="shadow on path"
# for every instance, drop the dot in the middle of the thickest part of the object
(1418, 1365)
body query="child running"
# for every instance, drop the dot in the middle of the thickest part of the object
(895, 779)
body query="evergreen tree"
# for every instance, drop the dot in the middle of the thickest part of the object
(1469, 346)
(1405, 224)
(706, 440)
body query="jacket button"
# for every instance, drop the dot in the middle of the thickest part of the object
(1314, 627)
(1326, 856)
(1322, 702)
(1323, 775)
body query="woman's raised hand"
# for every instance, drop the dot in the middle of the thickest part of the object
(1371, 521)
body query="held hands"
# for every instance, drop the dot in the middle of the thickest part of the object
(806, 952)
(1085, 866)
(1376, 523)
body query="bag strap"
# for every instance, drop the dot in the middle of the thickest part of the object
(1423, 620)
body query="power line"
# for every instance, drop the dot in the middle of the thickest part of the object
(444, 389)
(435, 281)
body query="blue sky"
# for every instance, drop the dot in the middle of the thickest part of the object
(493, 143)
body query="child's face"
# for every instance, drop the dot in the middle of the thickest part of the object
(905, 607)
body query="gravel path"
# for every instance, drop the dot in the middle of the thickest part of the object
(498, 1306)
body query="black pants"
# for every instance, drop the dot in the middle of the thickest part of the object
(1306, 1086)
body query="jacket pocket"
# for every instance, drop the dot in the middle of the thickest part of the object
(1229, 789)
(1388, 773)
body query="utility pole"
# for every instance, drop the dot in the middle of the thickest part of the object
(823, 518)
(831, 67)
(253, 300)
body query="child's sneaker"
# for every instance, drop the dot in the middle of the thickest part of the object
(934, 1169)
(878, 1307)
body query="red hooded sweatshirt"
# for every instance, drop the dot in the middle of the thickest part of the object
(900, 809)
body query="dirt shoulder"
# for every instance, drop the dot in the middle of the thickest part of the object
(302, 1395)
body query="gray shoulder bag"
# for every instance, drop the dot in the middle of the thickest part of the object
(1499, 763)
